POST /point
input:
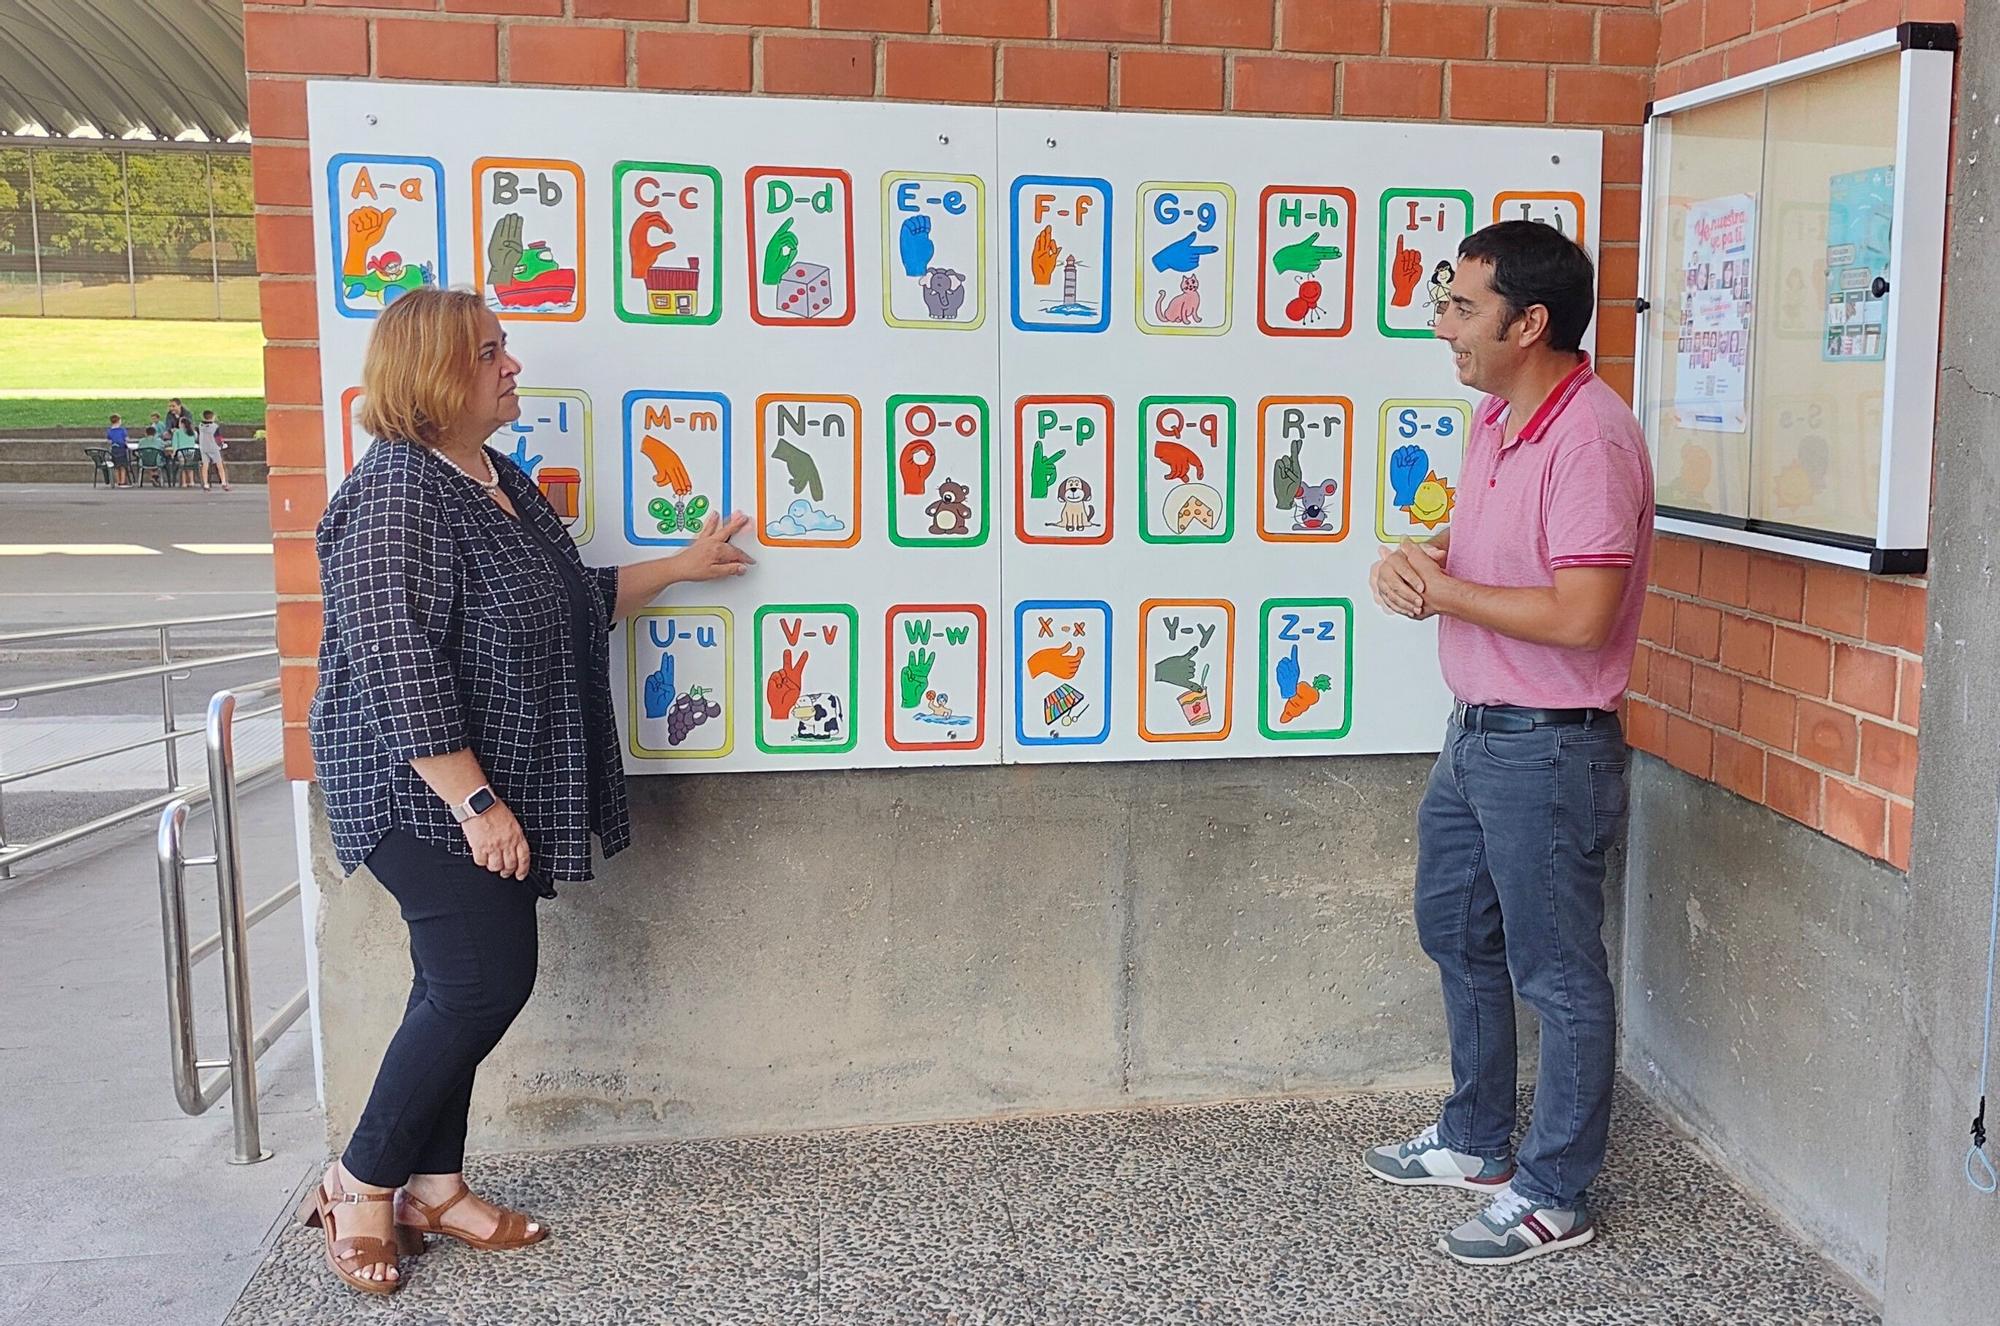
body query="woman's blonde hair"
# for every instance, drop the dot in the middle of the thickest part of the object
(422, 358)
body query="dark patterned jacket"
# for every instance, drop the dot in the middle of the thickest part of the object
(447, 628)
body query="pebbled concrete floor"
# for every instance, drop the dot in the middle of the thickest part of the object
(1250, 1212)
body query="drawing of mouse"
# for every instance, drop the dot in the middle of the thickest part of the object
(1312, 510)
(950, 514)
(1077, 513)
(944, 293)
(1185, 308)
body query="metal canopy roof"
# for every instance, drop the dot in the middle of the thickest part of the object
(170, 69)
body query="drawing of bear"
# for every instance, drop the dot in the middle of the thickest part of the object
(951, 513)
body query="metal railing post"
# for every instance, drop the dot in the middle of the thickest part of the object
(235, 933)
(167, 712)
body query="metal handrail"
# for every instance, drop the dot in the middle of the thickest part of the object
(236, 1074)
(182, 668)
(165, 624)
(71, 761)
(167, 670)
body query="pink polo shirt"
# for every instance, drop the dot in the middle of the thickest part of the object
(1574, 488)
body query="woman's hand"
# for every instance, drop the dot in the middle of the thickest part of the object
(497, 841)
(711, 556)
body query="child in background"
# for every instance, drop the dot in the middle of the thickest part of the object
(188, 448)
(210, 435)
(121, 450)
(187, 454)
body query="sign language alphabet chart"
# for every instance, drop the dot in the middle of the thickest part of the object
(1020, 480)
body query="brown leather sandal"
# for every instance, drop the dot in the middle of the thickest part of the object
(420, 1218)
(347, 1257)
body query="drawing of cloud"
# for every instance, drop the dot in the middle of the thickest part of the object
(803, 518)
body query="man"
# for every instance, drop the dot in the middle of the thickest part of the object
(1538, 585)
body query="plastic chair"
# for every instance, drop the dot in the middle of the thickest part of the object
(101, 466)
(150, 463)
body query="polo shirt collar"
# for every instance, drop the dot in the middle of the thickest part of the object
(1538, 425)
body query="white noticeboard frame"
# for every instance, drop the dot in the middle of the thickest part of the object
(1899, 540)
(1013, 469)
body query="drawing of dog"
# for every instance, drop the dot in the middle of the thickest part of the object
(1077, 513)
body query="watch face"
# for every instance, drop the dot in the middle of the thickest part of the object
(481, 801)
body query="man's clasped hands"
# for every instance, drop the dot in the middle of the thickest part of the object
(1407, 579)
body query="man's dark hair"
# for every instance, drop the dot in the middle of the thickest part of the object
(1534, 263)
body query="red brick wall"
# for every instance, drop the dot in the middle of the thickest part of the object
(1791, 684)
(1787, 682)
(1585, 63)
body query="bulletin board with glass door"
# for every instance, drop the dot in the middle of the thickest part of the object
(1791, 258)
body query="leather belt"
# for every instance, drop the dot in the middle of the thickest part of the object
(1514, 718)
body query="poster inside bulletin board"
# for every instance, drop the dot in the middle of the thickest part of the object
(1063, 435)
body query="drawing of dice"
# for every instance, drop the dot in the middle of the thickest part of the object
(806, 290)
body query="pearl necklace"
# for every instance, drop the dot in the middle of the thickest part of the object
(491, 483)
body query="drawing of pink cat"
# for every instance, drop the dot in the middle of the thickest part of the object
(1184, 308)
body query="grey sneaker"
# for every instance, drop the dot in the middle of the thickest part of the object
(1513, 1229)
(1424, 1161)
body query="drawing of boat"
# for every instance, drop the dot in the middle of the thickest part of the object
(538, 282)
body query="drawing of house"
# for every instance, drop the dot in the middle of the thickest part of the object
(674, 291)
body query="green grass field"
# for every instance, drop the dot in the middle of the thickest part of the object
(74, 372)
(93, 414)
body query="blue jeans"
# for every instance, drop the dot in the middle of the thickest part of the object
(1511, 840)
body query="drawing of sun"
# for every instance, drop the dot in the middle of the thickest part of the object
(1433, 503)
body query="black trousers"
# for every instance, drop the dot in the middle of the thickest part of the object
(472, 957)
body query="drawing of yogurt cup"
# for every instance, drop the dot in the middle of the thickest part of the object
(1195, 706)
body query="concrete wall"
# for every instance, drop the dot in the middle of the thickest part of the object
(1944, 1238)
(786, 951)
(1762, 978)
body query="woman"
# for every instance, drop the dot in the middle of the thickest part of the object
(465, 741)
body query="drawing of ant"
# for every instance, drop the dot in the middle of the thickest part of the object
(1304, 307)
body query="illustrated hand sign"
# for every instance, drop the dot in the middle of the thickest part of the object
(1407, 467)
(801, 470)
(1176, 669)
(1042, 258)
(915, 677)
(522, 460)
(365, 228)
(1042, 471)
(779, 253)
(1288, 673)
(647, 240)
(504, 249)
(1405, 273)
(660, 688)
(1183, 255)
(782, 687)
(1304, 255)
(915, 245)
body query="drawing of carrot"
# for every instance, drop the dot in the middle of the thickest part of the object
(1305, 697)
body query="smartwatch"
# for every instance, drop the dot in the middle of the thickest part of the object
(481, 801)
